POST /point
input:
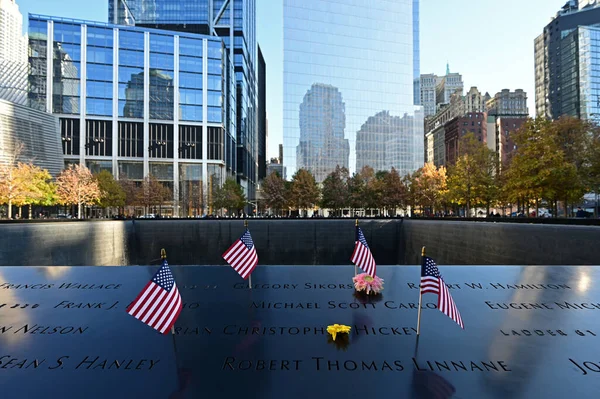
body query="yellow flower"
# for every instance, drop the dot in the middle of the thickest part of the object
(338, 328)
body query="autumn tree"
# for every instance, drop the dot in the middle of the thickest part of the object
(593, 172)
(571, 177)
(230, 196)
(11, 181)
(335, 190)
(130, 189)
(39, 188)
(430, 186)
(152, 193)
(365, 189)
(274, 193)
(545, 164)
(393, 192)
(471, 179)
(303, 191)
(356, 189)
(77, 186)
(113, 194)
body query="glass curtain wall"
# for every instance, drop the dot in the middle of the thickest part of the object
(367, 50)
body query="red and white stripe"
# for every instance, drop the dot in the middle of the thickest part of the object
(363, 258)
(446, 304)
(242, 259)
(157, 307)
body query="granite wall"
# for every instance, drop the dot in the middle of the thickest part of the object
(295, 242)
(65, 244)
(278, 242)
(477, 243)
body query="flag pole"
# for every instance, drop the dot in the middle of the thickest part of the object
(163, 256)
(420, 298)
(250, 276)
(355, 267)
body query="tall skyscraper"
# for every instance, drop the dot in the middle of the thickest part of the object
(262, 116)
(368, 50)
(322, 119)
(566, 63)
(138, 101)
(234, 21)
(13, 54)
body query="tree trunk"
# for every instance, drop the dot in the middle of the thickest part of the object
(79, 215)
(537, 207)
(566, 209)
(9, 209)
(30, 211)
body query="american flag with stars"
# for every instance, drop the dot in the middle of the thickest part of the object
(362, 256)
(242, 255)
(159, 303)
(432, 281)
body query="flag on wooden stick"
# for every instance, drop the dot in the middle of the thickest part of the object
(242, 255)
(362, 256)
(159, 303)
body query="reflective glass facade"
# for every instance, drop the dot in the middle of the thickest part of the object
(234, 21)
(137, 101)
(556, 60)
(322, 119)
(367, 50)
(589, 73)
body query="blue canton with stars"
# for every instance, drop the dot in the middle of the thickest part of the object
(429, 268)
(361, 237)
(247, 240)
(164, 278)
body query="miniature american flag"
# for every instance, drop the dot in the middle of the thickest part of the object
(159, 303)
(362, 256)
(242, 255)
(432, 281)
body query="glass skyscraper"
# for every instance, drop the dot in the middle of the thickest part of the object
(567, 64)
(234, 21)
(322, 119)
(366, 52)
(138, 101)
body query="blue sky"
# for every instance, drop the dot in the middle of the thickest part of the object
(489, 42)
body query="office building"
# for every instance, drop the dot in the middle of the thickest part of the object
(501, 130)
(566, 63)
(275, 165)
(475, 101)
(382, 140)
(234, 21)
(507, 113)
(328, 43)
(13, 54)
(322, 144)
(38, 133)
(507, 103)
(138, 101)
(262, 116)
(438, 90)
(472, 122)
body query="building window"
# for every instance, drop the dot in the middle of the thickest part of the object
(131, 170)
(190, 142)
(70, 136)
(161, 141)
(99, 138)
(215, 143)
(131, 139)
